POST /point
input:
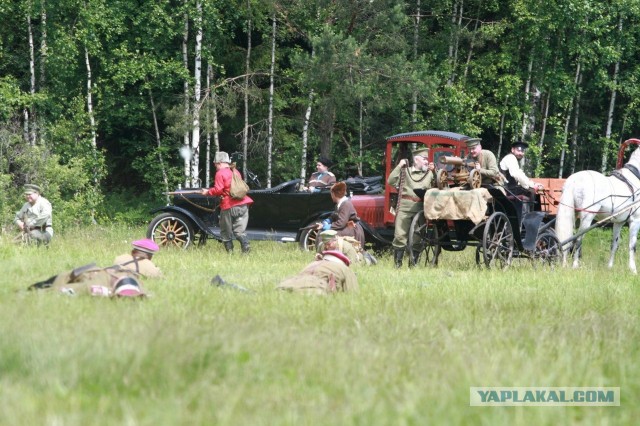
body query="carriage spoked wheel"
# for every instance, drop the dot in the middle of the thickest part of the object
(423, 241)
(497, 242)
(548, 250)
(442, 181)
(171, 230)
(475, 179)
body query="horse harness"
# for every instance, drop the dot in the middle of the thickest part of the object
(634, 170)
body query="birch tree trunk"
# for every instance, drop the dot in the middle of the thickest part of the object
(305, 136)
(456, 25)
(502, 119)
(197, 85)
(360, 130)
(576, 120)
(416, 39)
(245, 132)
(43, 43)
(471, 45)
(92, 120)
(185, 60)
(39, 123)
(543, 131)
(207, 156)
(271, 100)
(612, 107)
(32, 83)
(568, 119)
(527, 97)
(156, 128)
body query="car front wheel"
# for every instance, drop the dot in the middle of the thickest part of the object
(171, 230)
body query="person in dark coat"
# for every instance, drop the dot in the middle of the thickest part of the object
(344, 220)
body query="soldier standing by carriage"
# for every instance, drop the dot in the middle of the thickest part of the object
(408, 179)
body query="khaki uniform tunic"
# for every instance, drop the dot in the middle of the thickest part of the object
(414, 179)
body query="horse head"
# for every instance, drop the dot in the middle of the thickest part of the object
(634, 160)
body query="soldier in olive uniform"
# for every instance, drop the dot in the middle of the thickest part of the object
(140, 259)
(95, 281)
(486, 162)
(328, 274)
(418, 176)
(35, 217)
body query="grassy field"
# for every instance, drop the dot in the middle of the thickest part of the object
(404, 350)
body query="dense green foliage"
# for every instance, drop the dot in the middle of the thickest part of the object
(546, 71)
(404, 350)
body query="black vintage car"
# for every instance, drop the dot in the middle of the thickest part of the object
(281, 213)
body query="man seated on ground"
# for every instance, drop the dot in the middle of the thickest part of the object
(35, 217)
(517, 181)
(140, 259)
(329, 273)
(322, 178)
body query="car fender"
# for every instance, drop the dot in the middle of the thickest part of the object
(311, 220)
(371, 233)
(197, 222)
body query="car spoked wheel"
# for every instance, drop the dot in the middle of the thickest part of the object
(171, 230)
(309, 239)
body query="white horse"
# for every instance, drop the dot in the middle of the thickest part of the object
(593, 195)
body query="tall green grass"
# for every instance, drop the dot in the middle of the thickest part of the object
(404, 350)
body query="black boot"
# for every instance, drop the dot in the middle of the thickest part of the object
(244, 244)
(415, 258)
(398, 254)
(228, 245)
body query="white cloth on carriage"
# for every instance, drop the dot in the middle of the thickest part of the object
(456, 204)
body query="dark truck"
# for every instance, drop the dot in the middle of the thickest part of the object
(283, 213)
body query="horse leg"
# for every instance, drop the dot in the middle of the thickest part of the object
(634, 226)
(585, 222)
(615, 242)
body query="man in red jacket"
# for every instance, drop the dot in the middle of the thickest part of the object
(234, 214)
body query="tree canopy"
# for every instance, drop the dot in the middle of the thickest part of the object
(98, 96)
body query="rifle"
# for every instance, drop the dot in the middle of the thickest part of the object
(23, 236)
(217, 281)
(182, 192)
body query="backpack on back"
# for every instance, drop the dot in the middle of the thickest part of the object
(239, 187)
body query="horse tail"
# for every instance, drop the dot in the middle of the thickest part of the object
(566, 216)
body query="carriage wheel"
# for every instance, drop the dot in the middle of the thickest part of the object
(475, 179)
(423, 239)
(497, 241)
(171, 230)
(442, 179)
(548, 250)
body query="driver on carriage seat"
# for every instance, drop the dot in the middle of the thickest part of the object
(517, 183)
(485, 162)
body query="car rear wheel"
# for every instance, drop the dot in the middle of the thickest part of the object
(171, 230)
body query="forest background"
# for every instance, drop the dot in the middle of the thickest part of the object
(107, 104)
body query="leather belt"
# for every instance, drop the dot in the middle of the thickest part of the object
(409, 197)
(39, 228)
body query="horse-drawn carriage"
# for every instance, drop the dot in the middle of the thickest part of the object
(500, 225)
